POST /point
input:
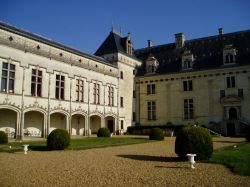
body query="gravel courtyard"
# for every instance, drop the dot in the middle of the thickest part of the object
(149, 164)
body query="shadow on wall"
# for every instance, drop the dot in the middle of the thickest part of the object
(151, 158)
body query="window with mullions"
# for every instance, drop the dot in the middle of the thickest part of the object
(231, 82)
(151, 89)
(229, 58)
(188, 85)
(79, 90)
(188, 109)
(187, 64)
(151, 110)
(8, 77)
(111, 96)
(60, 85)
(36, 83)
(96, 93)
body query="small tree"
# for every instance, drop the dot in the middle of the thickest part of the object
(196, 140)
(3, 138)
(58, 139)
(156, 134)
(103, 132)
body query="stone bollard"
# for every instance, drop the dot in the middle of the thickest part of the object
(191, 159)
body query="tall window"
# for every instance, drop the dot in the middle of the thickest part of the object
(121, 101)
(96, 93)
(151, 89)
(60, 84)
(231, 82)
(151, 110)
(36, 82)
(229, 58)
(79, 90)
(188, 85)
(8, 77)
(134, 117)
(121, 74)
(111, 96)
(122, 124)
(187, 64)
(188, 109)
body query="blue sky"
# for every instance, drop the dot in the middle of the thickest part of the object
(84, 24)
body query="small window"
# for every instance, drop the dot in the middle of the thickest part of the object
(222, 93)
(240, 93)
(151, 110)
(60, 86)
(8, 77)
(151, 89)
(231, 82)
(36, 83)
(134, 94)
(229, 58)
(121, 74)
(121, 101)
(188, 85)
(122, 124)
(187, 64)
(188, 109)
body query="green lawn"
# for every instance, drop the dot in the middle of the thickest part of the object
(237, 159)
(76, 144)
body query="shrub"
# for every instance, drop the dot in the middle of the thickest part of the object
(103, 132)
(58, 139)
(196, 140)
(3, 138)
(156, 134)
(248, 134)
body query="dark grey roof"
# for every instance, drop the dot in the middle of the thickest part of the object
(207, 51)
(21, 32)
(114, 43)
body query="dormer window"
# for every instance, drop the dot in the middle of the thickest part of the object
(151, 64)
(187, 60)
(229, 55)
(129, 48)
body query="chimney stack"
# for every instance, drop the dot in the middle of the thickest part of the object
(221, 31)
(150, 43)
(179, 40)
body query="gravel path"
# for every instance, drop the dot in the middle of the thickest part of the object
(149, 164)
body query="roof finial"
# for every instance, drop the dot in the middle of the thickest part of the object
(112, 26)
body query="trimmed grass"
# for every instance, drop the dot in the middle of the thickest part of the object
(236, 159)
(76, 144)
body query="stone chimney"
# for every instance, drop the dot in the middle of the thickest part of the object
(179, 40)
(221, 31)
(150, 43)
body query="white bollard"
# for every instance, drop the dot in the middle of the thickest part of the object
(191, 159)
(25, 148)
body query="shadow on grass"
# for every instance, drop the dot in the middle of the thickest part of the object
(38, 148)
(151, 158)
(173, 167)
(224, 141)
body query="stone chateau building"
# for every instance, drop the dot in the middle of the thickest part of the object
(46, 85)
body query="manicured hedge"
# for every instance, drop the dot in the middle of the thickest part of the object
(3, 138)
(103, 132)
(156, 134)
(58, 139)
(196, 140)
(146, 129)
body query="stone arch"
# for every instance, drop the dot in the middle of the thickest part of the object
(35, 122)
(58, 119)
(10, 119)
(95, 122)
(79, 123)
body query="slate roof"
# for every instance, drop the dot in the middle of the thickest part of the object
(112, 44)
(207, 51)
(27, 34)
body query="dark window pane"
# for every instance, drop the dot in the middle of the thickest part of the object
(62, 84)
(39, 79)
(57, 93)
(33, 71)
(190, 85)
(33, 79)
(11, 85)
(40, 73)
(39, 90)
(57, 77)
(148, 89)
(4, 73)
(5, 65)
(228, 82)
(185, 85)
(122, 124)
(12, 67)
(3, 85)
(62, 93)
(62, 78)
(57, 83)
(12, 75)
(233, 82)
(153, 88)
(33, 89)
